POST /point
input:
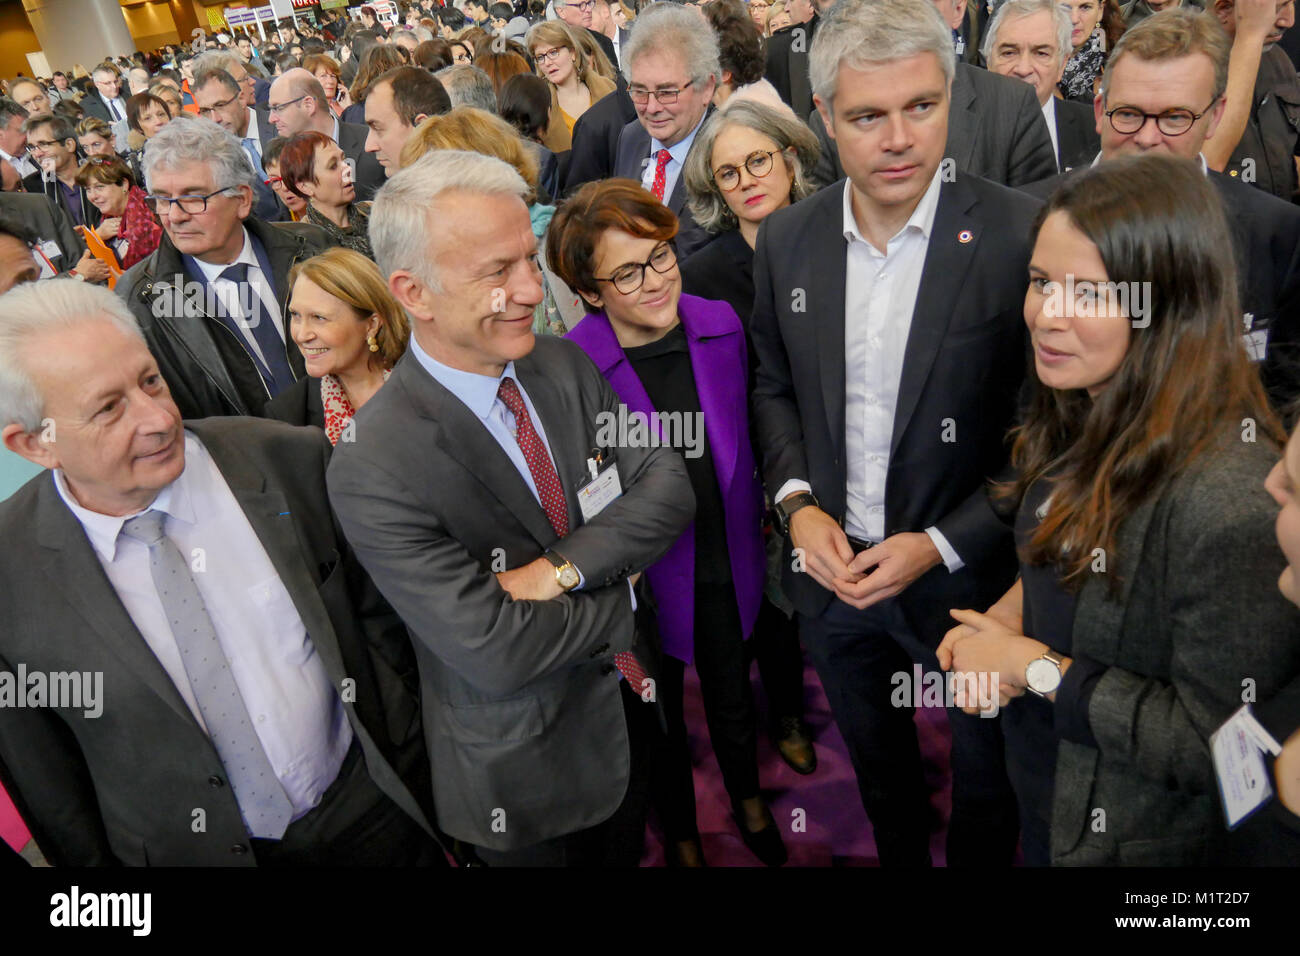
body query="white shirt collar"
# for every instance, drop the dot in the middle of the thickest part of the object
(175, 500)
(922, 218)
(251, 132)
(212, 272)
(678, 152)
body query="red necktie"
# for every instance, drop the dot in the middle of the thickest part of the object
(547, 481)
(661, 174)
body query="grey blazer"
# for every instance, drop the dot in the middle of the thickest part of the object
(521, 699)
(120, 788)
(1197, 616)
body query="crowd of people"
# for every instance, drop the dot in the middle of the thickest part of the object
(419, 402)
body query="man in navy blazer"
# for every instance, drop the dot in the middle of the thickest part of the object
(672, 67)
(890, 355)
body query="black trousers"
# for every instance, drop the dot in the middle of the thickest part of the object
(774, 645)
(723, 668)
(355, 824)
(620, 840)
(857, 653)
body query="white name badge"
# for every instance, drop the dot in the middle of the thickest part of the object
(1236, 748)
(47, 270)
(595, 496)
(1256, 344)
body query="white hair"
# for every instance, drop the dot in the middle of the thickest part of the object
(663, 27)
(405, 207)
(200, 141)
(1018, 10)
(859, 33)
(36, 307)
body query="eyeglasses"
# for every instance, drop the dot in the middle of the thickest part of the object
(665, 97)
(43, 144)
(630, 277)
(759, 164)
(272, 180)
(1126, 119)
(584, 5)
(190, 205)
(210, 110)
(550, 54)
(279, 108)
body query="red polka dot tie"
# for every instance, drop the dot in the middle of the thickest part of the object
(661, 173)
(547, 481)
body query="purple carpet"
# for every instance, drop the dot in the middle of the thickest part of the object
(835, 829)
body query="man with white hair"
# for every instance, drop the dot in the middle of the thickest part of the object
(483, 496)
(297, 104)
(233, 681)
(211, 298)
(1030, 40)
(890, 340)
(672, 68)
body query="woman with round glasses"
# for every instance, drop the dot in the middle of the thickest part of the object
(1095, 27)
(575, 86)
(128, 226)
(685, 358)
(758, 11)
(313, 166)
(748, 162)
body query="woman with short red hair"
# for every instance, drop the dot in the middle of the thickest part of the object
(685, 359)
(313, 167)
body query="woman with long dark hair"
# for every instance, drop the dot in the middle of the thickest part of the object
(1145, 603)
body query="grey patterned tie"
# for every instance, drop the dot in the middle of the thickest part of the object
(266, 809)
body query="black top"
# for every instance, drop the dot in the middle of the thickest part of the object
(299, 404)
(664, 368)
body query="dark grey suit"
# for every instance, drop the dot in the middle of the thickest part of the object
(522, 704)
(996, 131)
(49, 222)
(121, 788)
(630, 160)
(1077, 140)
(1195, 615)
(369, 174)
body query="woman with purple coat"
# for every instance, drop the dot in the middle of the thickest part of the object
(681, 362)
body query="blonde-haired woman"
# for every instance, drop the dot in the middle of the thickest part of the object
(351, 332)
(479, 131)
(575, 84)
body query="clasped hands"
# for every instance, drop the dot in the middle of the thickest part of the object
(864, 579)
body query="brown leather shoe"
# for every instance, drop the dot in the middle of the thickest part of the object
(795, 746)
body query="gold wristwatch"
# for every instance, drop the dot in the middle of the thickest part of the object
(566, 575)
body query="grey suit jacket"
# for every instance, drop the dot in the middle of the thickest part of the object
(996, 131)
(630, 159)
(49, 222)
(1197, 616)
(121, 788)
(522, 706)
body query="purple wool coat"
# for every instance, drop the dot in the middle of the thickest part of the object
(716, 342)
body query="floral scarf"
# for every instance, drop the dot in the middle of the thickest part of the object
(1083, 67)
(338, 410)
(356, 237)
(141, 231)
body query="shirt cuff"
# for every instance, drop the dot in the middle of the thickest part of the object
(951, 560)
(1073, 698)
(790, 487)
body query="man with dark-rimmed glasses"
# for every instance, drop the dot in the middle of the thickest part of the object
(210, 299)
(220, 97)
(671, 63)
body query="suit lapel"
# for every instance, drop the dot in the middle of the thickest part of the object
(75, 574)
(947, 260)
(462, 437)
(824, 301)
(267, 511)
